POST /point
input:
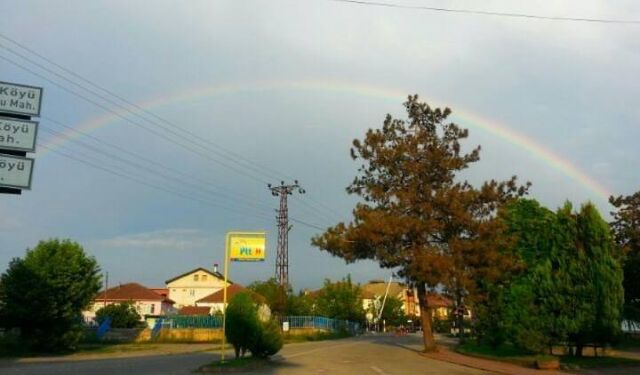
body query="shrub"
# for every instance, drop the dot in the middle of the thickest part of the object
(269, 341)
(245, 331)
(242, 325)
(123, 315)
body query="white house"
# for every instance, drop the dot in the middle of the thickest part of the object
(196, 284)
(146, 301)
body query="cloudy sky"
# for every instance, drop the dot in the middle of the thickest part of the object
(223, 97)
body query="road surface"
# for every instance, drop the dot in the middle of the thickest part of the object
(376, 355)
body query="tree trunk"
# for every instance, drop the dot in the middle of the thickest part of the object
(460, 317)
(425, 317)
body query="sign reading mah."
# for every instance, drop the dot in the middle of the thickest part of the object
(247, 247)
(20, 99)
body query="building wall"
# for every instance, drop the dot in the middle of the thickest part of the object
(186, 290)
(142, 307)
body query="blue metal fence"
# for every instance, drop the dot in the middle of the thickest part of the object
(104, 327)
(314, 322)
(320, 322)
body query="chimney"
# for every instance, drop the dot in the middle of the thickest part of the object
(215, 268)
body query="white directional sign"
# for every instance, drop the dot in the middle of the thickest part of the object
(15, 171)
(19, 135)
(20, 99)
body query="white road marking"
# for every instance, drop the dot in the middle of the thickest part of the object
(316, 350)
(379, 371)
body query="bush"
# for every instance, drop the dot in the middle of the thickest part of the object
(442, 325)
(245, 331)
(123, 315)
(269, 341)
(242, 325)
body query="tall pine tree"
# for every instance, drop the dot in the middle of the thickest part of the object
(416, 214)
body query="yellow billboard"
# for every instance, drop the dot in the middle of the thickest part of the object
(247, 246)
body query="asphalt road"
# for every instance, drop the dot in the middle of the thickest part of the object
(377, 355)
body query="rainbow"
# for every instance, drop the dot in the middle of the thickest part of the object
(540, 152)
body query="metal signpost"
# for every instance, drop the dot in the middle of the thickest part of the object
(240, 247)
(18, 103)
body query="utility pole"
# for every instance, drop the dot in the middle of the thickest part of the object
(282, 257)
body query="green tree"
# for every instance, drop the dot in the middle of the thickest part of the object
(274, 293)
(393, 313)
(123, 315)
(45, 292)
(570, 289)
(301, 305)
(340, 300)
(626, 230)
(416, 215)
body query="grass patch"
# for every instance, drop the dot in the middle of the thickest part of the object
(234, 365)
(510, 354)
(504, 353)
(115, 348)
(315, 336)
(629, 342)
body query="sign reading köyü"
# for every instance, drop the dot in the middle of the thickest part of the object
(20, 99)
(18, 135)
(15, 171)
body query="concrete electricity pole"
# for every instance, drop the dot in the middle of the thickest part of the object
(282, 257)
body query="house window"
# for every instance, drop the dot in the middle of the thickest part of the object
(192, 292)
(195, 277)
(153, 308)
(204, 277)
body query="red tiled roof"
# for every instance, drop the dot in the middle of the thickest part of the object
(130, 291)
(368, 295)
(218, 297)
(436, 300)
(161, 291)
(194, 310)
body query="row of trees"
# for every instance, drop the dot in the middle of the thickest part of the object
(536, 278)
(340, 299)
(567, 288)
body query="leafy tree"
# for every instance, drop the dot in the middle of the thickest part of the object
(274, 293)
(340, 300)
(415, 215)
(301, 305)
(123, 315)
(45, 292)
(392, 312)
(570, 289)
(626, 229)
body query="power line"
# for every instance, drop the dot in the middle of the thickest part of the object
(156, 173)
(226, 154)
(99, 165)
(487, 13)
(139, 157)
(253, 166)
(138, 124)
(160, 170)
(142, 182)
